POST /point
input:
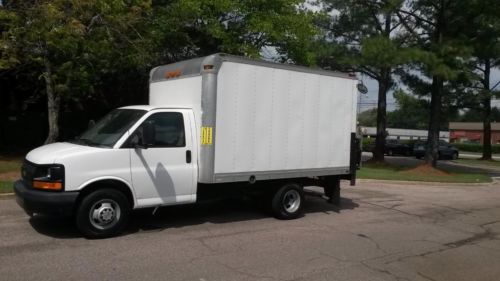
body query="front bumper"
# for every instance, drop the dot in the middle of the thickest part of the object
(44, 202)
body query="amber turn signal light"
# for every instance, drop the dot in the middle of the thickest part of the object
(47, 185)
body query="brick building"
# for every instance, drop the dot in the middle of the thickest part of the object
(472, 132)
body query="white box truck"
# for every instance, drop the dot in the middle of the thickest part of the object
(213, 125)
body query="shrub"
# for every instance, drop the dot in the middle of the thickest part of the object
(474, 147)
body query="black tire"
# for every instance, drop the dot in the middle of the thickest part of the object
(390, 152)
(454, 156)
(110, 209)
(288, 201)
(418, 157)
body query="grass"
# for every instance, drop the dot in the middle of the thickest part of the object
(389, 172)
(479, 163)
(7, 167)
(10, 165)
(6, 187)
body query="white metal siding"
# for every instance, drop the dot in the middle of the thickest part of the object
(182, 93)
(274, 119)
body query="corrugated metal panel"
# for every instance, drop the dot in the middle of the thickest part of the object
(271, 119)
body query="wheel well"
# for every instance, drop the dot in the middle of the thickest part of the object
(113, 184)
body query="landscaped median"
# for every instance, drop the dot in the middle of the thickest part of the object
(9, 172)
(419, 173)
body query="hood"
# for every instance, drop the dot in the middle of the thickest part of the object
(50, 153)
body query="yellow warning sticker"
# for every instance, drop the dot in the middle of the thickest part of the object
(206, 135)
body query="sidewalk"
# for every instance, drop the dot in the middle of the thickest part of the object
(473, 155)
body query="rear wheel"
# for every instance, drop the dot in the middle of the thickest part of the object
(288, 201)
(103, 213)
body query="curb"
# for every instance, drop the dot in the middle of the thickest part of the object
(6, 195)
(495, 181)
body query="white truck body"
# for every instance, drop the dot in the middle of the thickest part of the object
(211, 121)
(267, 120)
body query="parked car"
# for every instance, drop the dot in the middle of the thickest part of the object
(445, 150)
(396, 147)
(392, 147)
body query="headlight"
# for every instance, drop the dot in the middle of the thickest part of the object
(49, 178)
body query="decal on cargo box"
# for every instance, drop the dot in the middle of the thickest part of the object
(173, 74)
(206, 135)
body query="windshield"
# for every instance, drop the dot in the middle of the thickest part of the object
(110, 128)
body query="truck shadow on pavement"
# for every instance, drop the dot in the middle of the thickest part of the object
(174, 217)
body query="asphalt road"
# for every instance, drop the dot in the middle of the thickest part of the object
(383, 231)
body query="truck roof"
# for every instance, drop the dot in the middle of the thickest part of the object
(213, 62)
(148, 107)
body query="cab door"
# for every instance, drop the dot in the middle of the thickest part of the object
(164, 172)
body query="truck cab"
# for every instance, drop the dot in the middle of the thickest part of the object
(145, 152)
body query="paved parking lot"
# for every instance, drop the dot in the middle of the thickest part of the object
(381, 232)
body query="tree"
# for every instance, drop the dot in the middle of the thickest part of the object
(435, 26)
(365, 36)
(412, 112)
(476, 115)
(368, 118)
(187, 28)
(71, 43)
(484, 31)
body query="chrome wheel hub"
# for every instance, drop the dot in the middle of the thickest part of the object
(104, 214)
(291, 201)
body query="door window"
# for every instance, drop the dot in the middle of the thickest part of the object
(169, 127)
(169, 130)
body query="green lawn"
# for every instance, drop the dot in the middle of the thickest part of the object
(8, 166)
(388, 172)
(6, 187)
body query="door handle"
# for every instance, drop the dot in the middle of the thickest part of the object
(188, 156)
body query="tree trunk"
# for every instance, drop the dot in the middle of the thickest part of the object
(53, 104)
(383, 87)
(486, 112)
(432, 152)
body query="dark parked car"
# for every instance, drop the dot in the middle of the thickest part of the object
(445, 150)
(396, 147)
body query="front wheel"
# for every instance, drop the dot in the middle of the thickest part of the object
(288, 201)
(454, 156)
(103, 213)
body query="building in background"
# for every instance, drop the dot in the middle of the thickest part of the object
(472, 132)
(403, 134)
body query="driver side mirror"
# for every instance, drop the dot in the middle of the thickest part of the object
(145, 136)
